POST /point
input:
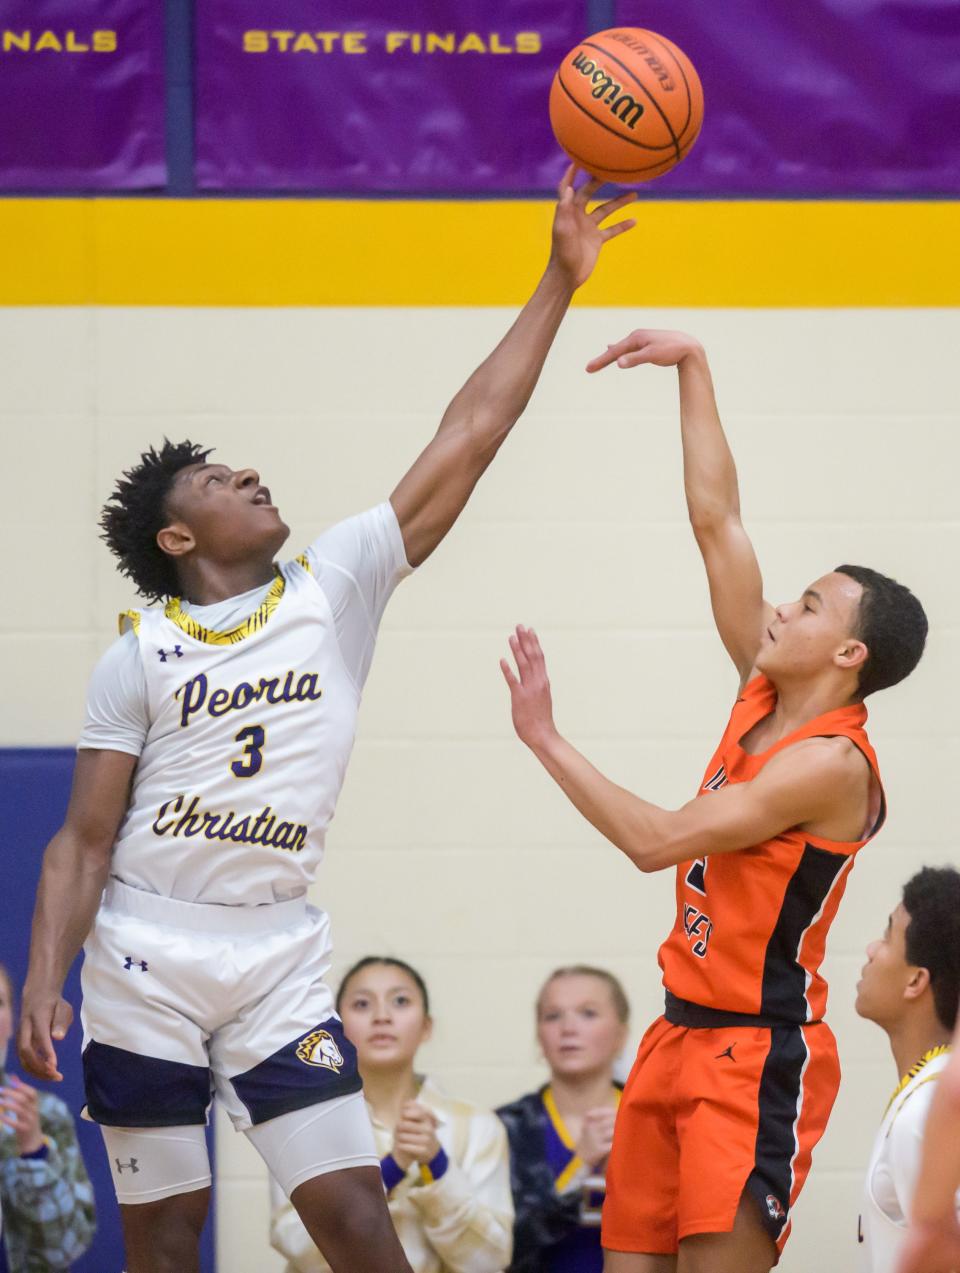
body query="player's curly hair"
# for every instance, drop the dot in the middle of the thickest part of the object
(137, 510)
(932, 900)
(891, 624)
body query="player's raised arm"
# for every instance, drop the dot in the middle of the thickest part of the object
(433, 493)
(710, 482)
(75, 868)
(809, 787)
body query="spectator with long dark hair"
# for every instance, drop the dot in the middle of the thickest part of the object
(560, 1135)
(444, 1162)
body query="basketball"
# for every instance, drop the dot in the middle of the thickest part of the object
(626, 104)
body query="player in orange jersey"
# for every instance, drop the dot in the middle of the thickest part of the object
(733, 1085)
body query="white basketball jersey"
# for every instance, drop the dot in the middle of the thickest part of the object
(894, 1166)
(250, 734)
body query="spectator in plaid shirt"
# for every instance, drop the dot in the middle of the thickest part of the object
(47, 1199)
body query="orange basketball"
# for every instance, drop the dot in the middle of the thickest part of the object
(626, 104)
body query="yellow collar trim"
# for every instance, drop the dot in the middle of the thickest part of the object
(173, 611)
(915, 1069)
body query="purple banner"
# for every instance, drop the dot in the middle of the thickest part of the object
(817, 97)
(81, 95)
(379, 95)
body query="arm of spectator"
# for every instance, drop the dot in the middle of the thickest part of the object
(50, 1192)
(466, 1210)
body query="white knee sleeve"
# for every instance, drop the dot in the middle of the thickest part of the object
(321, 1138)
(156, 1162)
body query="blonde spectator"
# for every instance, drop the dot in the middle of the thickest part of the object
(560, 1136)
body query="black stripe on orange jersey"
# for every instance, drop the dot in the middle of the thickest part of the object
(784, 985)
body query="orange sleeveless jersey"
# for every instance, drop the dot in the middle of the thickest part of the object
(752, 925)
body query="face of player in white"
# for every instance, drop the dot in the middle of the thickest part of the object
(383, 1016)
(225, 515)
(578, 1028)
(889, 985)
(815, 633)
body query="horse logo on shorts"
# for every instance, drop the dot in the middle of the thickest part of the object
(320, 1048)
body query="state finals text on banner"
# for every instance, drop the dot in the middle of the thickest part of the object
(81, 95)
(402, 98)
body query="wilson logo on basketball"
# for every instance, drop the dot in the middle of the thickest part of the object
(626, 108)
(320, 1048)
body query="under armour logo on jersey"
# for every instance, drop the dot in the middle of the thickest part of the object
(718, 780)
(176, 650)
(125, 1166)
(726, 1052)
(129, 962)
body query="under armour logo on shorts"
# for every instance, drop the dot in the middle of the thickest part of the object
(176, 650)
(124, 1166)
(129, 962)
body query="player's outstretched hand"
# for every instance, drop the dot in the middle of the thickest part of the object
(43, 1018)
(530, 700)
(579, 234)
(661, 348)
(930, 1248)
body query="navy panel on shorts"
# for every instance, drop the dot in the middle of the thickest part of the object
(779, 1099)
(125, 1089)
(314, 1067)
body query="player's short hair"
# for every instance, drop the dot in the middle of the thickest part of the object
(892, 625)
(621, 1003)
(931, 898)
(137, 510)
(388, 961)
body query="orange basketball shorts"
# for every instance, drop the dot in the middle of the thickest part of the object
(708, 1114)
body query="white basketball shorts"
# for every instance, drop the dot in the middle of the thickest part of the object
(182, 999)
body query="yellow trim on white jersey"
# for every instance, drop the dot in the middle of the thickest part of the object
(173, 611)
(131, 616)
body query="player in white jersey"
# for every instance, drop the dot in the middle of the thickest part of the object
(218, 732)
(909, 986)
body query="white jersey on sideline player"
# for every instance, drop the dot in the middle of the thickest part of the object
(894, 1164)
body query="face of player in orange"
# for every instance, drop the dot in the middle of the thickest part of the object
(578, 1027)
(889, 983)
(815, 633)
(222, 514)
(383, 1016)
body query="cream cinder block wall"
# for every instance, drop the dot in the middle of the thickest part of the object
(451, 847)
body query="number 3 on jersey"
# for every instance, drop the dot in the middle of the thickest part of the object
(254, 736)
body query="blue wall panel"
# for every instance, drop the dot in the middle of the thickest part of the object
(34, 785)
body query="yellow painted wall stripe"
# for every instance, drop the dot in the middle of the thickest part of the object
(129, 251)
